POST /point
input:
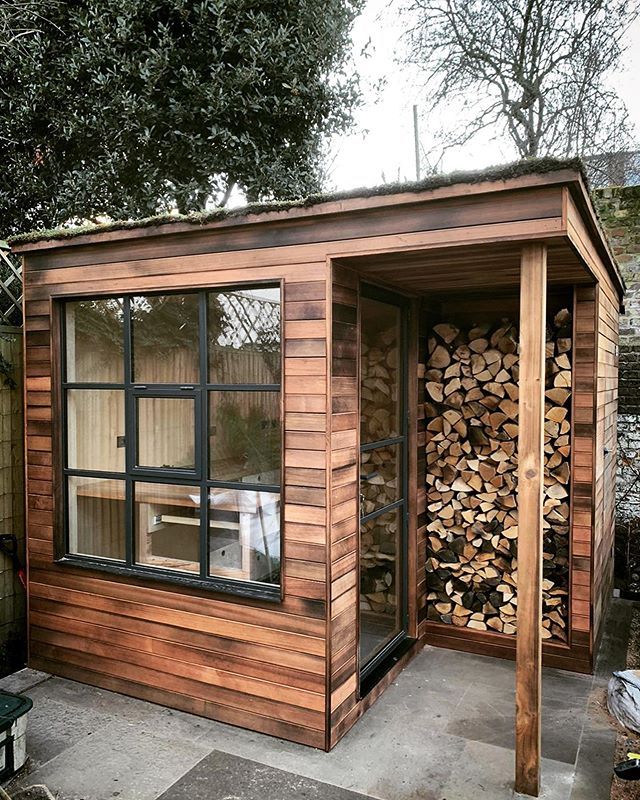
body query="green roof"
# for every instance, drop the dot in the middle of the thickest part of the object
(495, 173)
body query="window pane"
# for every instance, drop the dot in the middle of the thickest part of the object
(379, 378)
(244, 535)
(244, 437)
(95, 429)
(96, 516)
(165, 338)
(94, 341)
(379, 478)
(166, 432)
(167, 526)
(244, 336)
(380, 582)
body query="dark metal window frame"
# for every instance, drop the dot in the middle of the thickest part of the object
(133, 473)
(376, 666)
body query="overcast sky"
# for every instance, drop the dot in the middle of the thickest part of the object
(382, 144)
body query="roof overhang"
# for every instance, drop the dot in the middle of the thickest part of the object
(470, 228)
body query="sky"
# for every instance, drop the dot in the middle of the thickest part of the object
(381, 147)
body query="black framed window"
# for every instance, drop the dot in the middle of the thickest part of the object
(172, 436)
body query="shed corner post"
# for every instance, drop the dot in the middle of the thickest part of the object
(533, 292)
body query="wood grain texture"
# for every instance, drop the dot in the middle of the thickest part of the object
(533, 291)
(293, 228)
(487, 643)
(605, 457)
(258, 664)
(290, 669)
(584, 455)
(344, 477)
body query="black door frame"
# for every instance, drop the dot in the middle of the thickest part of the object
(377, 666)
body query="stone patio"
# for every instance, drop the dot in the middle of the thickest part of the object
(443, 730)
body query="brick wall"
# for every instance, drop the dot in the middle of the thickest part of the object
(619, 210)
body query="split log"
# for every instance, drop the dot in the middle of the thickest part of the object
(472, 427)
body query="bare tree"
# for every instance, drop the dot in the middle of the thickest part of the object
(533, 69)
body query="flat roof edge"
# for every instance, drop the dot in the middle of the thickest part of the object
(511, 176)
(583, 196)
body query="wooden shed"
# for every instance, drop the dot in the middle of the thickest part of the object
(272, 453)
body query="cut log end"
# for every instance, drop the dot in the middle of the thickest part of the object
(472, 428)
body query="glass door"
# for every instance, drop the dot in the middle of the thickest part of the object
(383, 431)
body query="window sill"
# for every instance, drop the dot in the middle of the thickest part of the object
(255, 591)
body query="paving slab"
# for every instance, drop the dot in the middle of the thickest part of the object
(423, 731)
(123, 761)
(54, 726)
(23, 680)
(220, 776)
(443, 729)
(485, 772)
(164, 722)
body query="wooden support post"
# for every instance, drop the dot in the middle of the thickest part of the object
(533, 293)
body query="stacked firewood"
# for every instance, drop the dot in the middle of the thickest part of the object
(379, 472)
(471, 381)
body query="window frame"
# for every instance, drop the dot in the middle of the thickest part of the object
(200, 393)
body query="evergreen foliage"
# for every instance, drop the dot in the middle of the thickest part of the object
(132, 108)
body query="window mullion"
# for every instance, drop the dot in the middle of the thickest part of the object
(129, 428)
(260, 399)
(202, 435)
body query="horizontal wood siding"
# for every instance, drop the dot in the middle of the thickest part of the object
(582, 471)
(255, 664)
(379, 217)
(607, 302)
(345, 439)
(290, 668)
(606, 443)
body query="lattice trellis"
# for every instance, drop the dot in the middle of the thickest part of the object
(10, 289)
(249, 318)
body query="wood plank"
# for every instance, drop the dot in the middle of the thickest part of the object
(282, 616)
(533, 290)
(214, 625)
(232, 716)
(305, 348)
(437, 634)
(204, 650)
(307, 290)
(254, 233)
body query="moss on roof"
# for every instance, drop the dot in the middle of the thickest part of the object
(496, 173)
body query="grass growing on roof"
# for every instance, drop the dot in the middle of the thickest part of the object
(495, 173)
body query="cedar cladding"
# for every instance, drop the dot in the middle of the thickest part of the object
(257, 665)
(289, 669)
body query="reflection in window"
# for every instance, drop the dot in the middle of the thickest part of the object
(244, 535)
(96, 511)
(165, 338)
(94, 340)
(167, 526)
(183, 403)
(166, 432)
(244, 437)
(380, 582)
(379, 364)
(244, 336)
(95, 429)
(379, 482)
